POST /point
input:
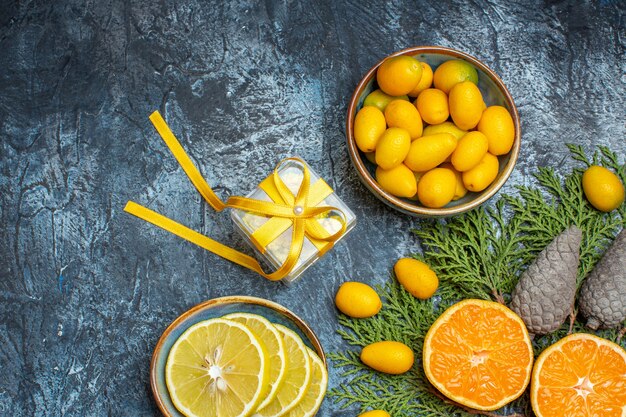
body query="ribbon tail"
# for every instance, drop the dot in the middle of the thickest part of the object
(185, 162)
(194, 237)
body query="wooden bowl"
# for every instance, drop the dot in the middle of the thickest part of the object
(494, 93)
(219, 307)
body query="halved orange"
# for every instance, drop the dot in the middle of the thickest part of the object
(581, 375)
(478, 353)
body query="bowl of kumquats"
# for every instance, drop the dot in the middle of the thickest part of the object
(432, 131)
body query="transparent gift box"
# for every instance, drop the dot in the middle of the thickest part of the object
(276, 251)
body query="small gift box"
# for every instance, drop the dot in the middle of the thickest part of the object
(292, 218)
(272, 237)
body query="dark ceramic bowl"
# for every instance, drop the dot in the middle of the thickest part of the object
(214, 308)
(494, 93)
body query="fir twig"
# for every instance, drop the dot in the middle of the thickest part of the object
(475, 255)
(578, 154)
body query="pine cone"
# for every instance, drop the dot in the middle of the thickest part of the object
(545, 293)
(603, 294)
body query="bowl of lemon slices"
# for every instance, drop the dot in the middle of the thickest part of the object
(238, 356)
(432, 131)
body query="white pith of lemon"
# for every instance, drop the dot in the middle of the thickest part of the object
(275, 345)
(314, 396)
(296, 383)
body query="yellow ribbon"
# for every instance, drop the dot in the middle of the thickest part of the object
(273, 228)
(299, 211)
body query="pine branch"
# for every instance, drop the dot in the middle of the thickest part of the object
(476, 255)
(578, 154)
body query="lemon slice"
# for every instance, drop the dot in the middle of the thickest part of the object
(298, 377)
(217, 368)
(314, 396)
(273, 341)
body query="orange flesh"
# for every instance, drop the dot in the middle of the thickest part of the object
(481, 356)
(582, 378)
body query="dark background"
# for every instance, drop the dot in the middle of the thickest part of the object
(86, 290)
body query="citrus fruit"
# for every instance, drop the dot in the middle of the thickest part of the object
(483, 174)
(357, 300)
(425, 81)
(398, 181)
(497, 124)
(399, 75)
(416, 277)
(296, 383)
(429, 151)
(275, 346)
(445, 127)
(603, 188)
(452, 72)
(369, 125)
(470, 151)
(392, 147)
(417, 175)
(581, 375)
(371, 156)
(380, 100)
(460, 190)
(466, 105)
(436, 187)
(433, 106)
(389, 357)
(478, 353)
(308, 406)
(375, 413)
(217, 368)
(400, 113)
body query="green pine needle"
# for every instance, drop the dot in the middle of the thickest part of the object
(480, 254)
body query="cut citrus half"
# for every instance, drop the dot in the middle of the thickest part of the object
(478, 353)
(581, 375)
(298, 378)
(273, 341)
(217, 368)
(314, 396)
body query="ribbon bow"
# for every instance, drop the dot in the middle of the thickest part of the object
(286, 209)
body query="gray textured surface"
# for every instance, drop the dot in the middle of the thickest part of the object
(86, 290)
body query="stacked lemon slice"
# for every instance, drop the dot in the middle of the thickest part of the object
(243, 365)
